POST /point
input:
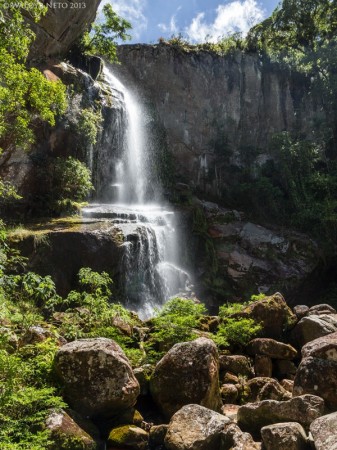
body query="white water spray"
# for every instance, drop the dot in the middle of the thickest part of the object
(151, 271)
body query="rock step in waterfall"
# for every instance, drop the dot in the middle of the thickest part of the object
(151, 268)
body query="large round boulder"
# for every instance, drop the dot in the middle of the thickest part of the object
(97, 377)
(317, 372)
(313, 327)
(188, 373)
(272, 313)
(194, 427)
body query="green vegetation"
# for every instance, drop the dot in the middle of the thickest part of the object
(89, 125)
(70, 185)
(102, 39)
(26, 97)
(175, 322)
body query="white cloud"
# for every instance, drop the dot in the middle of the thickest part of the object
(169, 28)
(172, 27)
(238, 15)
(131, 10)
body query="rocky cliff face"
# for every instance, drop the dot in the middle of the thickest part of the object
(217, 111)
(61, 26)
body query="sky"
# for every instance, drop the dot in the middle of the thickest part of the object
(196, 20)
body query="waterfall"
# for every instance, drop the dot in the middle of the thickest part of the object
(151, 270)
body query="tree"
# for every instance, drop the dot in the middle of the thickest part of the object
(103, 37)
(302, 35)
(26, 97)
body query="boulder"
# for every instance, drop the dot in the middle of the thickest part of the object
(234, 439)
(263, 366)
(272, 313)
(284, 436)
(304, 410)
(237, 364)
(271, 348)
(288, 385)
(97, 377)
(317, 372)
(263, 388)
(128, 437)
(313, 327)
(65, 430)
(324, 432)
(60, 28)
(231, 411)
(301, 311)
(322, 309)
(194, 427)
(229, 393)
(188, 373)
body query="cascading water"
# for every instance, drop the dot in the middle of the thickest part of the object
(151, 271)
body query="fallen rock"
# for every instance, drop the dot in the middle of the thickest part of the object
(97, 377)
(263, 366)
(317, 372)
(313, 327)
(271, 348)
(229, 393)
(194, 427)
(234, 439)
(288, 385)
(272, 313)
(188, 373)
(231, 411)
(236, 364)
(64, 429)
(324, 432)
(301, 311)
(263, 388)
(304, 410)
(324, 308)
(284, 436)
(128, 437)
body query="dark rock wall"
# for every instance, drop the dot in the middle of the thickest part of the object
(217, 111)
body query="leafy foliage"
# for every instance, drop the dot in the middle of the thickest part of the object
(102, 39)
(71, 183)
(25, 94)
(89, 125)
(176, 322)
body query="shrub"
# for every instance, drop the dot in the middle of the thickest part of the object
(175, 323)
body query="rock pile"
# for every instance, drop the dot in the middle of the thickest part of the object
(195, 399)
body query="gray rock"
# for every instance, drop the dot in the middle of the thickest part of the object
(194, 427)
(60, 27)
(188, 373)
(324, 432)
(317, 372)
(97, 377)
(235, 439)
(301, 311)
(263, 388)
(63, 428)
(313, 327)
(284, 436)
(322, 309)
(304, 410)
(271, 348)
(237, 364)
